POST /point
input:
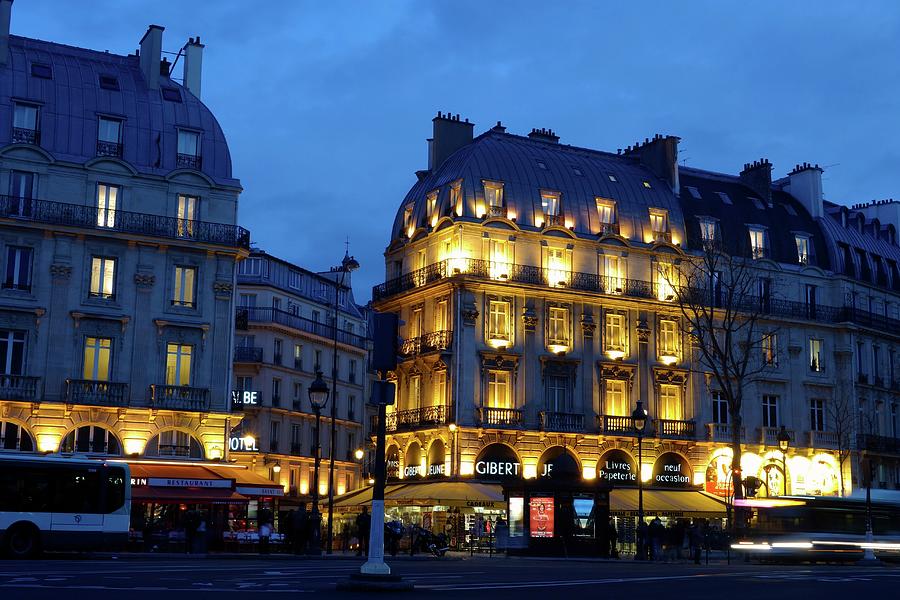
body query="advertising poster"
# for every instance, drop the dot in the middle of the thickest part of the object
(541, 517)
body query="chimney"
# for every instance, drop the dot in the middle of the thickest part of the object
(193, 65)
(758, 177)
(660, 155)
(5, 14)
(151, 51)
(449, 134)
(805, 184)
(544, 135)
(165, 68)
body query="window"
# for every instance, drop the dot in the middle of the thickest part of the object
(646, 184)
(109, 82)
(431, 207)
(558, 393)
(188, 143)
(694, 192)
(499, 253)
(247, 300)
(277, 351)
(97, 358)
(21, 191)
(12, 351)
(666, 276)
(107, 200)
(558, 328)
(417, 322)
(725, 198)
(187, 215)
(185, 286)
(174, 443)
(415, 392)
(811, 301)
(298, 357)
(493, 195)
(41, 70)
(659, 222)
(758, 246)
(616, 398)
(318, 359)
(815, 355)
(90, 439)
(719, 408)
(613, 269)
(606, 211)
(439, 388)
(295, 279)
(178, 364)
(109, 136)
(668, 340)
(441, 316)
(769, 344)
(171, 94)
(557, 267)
(456, 198)
(18, 269)
(298, 396)
(757, 202)
(296, 437)
(103, 277)
(816, 414)
(670, 402)
(764, 287)
(770, 411)
(254, 266)
(351, 408)
(708, 230)
(244, 383)
(14, 437)
(498, 321)
(274, 431)
(276, 392)
(614, 340)
(351, 376)
(25, 124)
(802, 242)
(550, 205)
(498, 389)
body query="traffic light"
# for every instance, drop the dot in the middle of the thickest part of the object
(385, 342)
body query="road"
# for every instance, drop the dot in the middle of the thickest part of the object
(495, 578)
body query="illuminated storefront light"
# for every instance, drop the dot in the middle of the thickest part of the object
(134, 445)
(467, 467)
(615, 354)
(48, 442)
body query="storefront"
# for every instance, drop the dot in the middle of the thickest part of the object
(817, 475)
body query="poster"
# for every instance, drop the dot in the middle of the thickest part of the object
(718, 475)
(541, 517)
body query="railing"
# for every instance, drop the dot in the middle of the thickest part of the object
(823, 439)
(247, 314)
(877, 443)
(23, 135)
(96, 393)
(174, 450)
(609, 229)
(500, 417)
(179, 397)
(416, 418)
(558, 421)
(721, 432)
(248, 354)
(188, 161)
(674, 428)
(768, 436)
(109, 149)
(430, 342)
(616, 424)
(18, 387)
(662, 236)
(497, 211)
(120, 221)
(296, 449)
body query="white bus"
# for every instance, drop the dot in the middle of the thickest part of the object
(55, 503)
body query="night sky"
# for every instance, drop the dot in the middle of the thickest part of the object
(327, 104)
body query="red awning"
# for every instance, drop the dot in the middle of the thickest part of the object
(177, 483)
(174, 495)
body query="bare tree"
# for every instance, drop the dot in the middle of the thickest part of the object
(841, 418)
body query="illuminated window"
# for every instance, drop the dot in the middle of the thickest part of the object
(708, 230)
(613, 270)
(185, 286)
(616, 398)
(815, 355)
(456, 198)
(758, 243)
(499, 259)
(817, 414)
(550, 203)
(431, 201)
(614, 338)
(103, 277)
(493, 196)
(665, 281)
(659, 221)
(606, 211)
(646, 184)
(414, 400)
(498, 321)
(557, 267)
(670, 402)
(408, 220)
(719, 408)
(188, 143)
(498, 392)
(802, 242)
(441, 315)
(770, 349)
(178, 364)
(668, 339)
(416, 322)
(439, 388)
(770, 411)
(187, 214)
(558, 328)
(107, 199)
(97, 358)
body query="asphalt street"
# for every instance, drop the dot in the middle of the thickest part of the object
(478, 577)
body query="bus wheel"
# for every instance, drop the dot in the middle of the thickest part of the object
(22, 541)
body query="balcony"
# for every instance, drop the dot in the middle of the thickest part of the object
(557, 220)
(823, 439)
(248, 354)
(416, 418)
(616, 424)
(720, 432)
(497, 211)
(86, 217)
(296, 449)
(179, 397)
(674, 428)
(878, 443)
(188, 161)
(608, 229)
(113, 149)
(245, 315)
(96, 393)
(558, 421)
(22, 135)
(423, 344)
(768, 436)
(662, 236)
(18, 387)
(500, 417)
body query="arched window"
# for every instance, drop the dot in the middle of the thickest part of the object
(15, 437)
(174, 443)
(92, 439)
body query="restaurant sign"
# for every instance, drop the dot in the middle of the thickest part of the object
(195, 483)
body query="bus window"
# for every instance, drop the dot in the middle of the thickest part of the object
(115, 489)
(24, 489)
(77, 491)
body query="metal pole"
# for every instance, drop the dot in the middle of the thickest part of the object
(375, 564)
(640, 465)
(316, 517)
(868, 553)
(334, 369)
(784, 470)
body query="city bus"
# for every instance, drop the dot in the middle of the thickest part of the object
(819, 528)
(62, 503)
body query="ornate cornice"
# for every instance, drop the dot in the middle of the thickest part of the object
(60, 271)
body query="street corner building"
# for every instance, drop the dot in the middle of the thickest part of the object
(119, 255)
(536, 283)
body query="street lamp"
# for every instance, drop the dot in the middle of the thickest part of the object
(452, 428)
(784, 440)
(359, 453)
(318, 398)
(348, 265)
(639, 422)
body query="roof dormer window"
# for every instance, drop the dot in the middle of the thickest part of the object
(646, 184)
(188, 149)
(109, 82)
(803, 253)
(612, 178)
(694, 192)
(659, 225)
(759, 242)
(41, 70)
(757, 203)
(709, 229)
(171, 94)
(725, 198)
(25, 124)
(551, 207)
(493, 197)
(606, 213)
(109, 137)
(431, 207)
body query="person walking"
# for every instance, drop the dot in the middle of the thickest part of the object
(613, 537)
(300, 525)
(363, 526)
(643, 541)
(657, 533)
(695, 538)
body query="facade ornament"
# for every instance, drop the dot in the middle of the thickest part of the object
(60, 271)
(587, 325)
(670, 377)
(619, 371)
(643, 332)
(469, 315)
(223, 288)
(529, 318)
(144, 281)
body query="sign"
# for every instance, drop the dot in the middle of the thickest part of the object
(617, 466)
(392, 462)
(138, 481)
(241, 399)
(414, 467)
(436, 459)
(541, 517)
(199, 483)
(718, 475)
(558, 463)
(246, 443)
(498, 461)
(671, 470)
(260, 491)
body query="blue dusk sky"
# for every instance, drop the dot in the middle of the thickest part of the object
(327, 104)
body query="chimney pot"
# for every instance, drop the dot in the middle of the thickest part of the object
(192, 69)
(5, 17)
(151, 51)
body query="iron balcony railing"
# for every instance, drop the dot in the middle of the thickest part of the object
(179, 397)
(120, 221)
(18, 387)
(675, 428)
(430, 342)
(497, 211)
(189, 161)
(823, 439)
(113, 149)
(499, 417)
(416, 418)
(23, 135)
(560, 421)
(877, 443)
(616, 424)
(245, 315)
(609, 229)
(297, 448)
(721, 432)
(248, 354)
(549, 220)
(96, 393)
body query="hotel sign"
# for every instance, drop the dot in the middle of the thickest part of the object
(237, 443)
(241, 399)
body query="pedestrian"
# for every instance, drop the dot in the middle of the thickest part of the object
(363, 526)
(657, 533)
(695, 539)
(613, 537)
(265, 531)
(300, 525)
(643, 541)
(501, 530)
(673, 541)
(191, 522)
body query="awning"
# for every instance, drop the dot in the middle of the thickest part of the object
(180, 483)
(431, 493)
(670, 503)
(247, 482)
(171, 495)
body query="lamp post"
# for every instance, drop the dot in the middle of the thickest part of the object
(784, 440)
(348, 265)
(639, 422)
(318, 398)
(452, 428)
